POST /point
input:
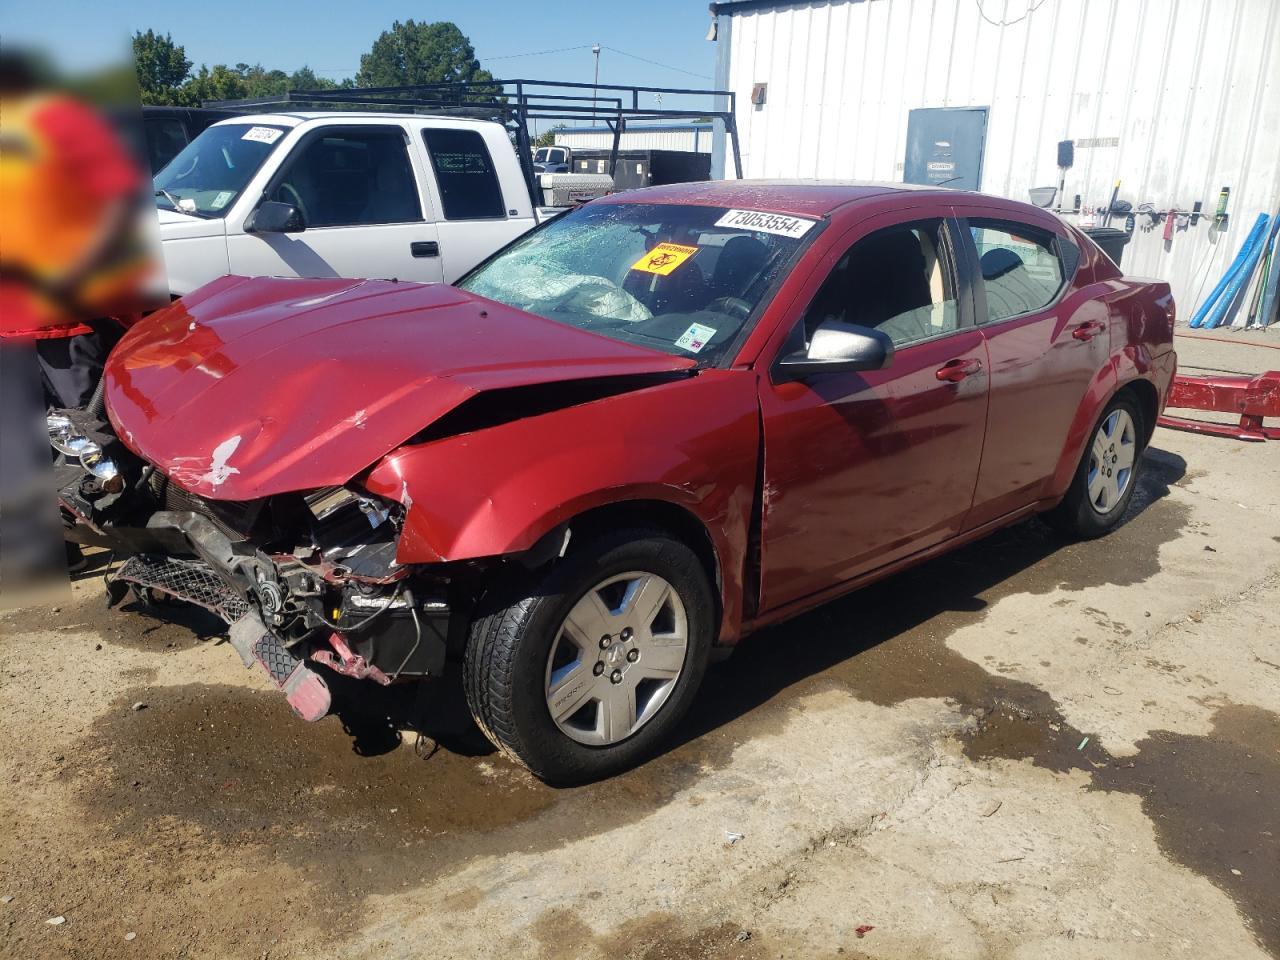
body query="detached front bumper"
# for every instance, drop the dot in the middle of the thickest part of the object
(303, 688)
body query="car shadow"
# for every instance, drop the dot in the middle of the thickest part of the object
(768, 663)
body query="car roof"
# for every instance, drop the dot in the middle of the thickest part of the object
(801, 198)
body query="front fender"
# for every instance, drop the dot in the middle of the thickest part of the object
(692, 443)
(191, 262)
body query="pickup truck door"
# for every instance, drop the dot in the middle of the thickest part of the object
(359, 189)
(861, 469)
(476, 217)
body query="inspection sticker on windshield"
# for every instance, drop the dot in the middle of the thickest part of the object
(783, 226)
(664, 258)
(221, 200)
(263, 134)
(695, 338)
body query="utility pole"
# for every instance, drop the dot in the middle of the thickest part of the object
(595, 49)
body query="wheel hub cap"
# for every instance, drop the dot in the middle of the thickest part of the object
(1111, 461)
(616, 658)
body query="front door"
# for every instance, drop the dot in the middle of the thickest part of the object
(359, 196)
(862, 469)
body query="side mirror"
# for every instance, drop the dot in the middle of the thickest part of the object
(275, 217)
(839, 347)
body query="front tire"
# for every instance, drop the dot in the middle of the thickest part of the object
(580, 670)
(1107, 475)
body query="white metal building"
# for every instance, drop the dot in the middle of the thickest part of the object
(694, 137)
(1176, 99)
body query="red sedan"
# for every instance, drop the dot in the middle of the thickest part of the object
(639, 432)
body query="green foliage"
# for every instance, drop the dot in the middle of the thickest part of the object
(408, 53)
(162, 66)
(547, 138)
(413, 53)
(217, 83)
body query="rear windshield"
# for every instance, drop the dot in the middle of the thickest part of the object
(681, 279)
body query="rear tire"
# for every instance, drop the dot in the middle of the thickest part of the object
(580, 670)
(1107, 475)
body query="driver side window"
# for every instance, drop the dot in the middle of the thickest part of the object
(898, 280)
(352, 178)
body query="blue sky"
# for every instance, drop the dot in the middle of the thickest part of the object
(330, 37)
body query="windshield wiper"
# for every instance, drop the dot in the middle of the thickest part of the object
(174, 202)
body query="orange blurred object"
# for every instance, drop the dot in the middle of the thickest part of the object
(69, 195)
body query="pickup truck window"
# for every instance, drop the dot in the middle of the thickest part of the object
(352, 177)
(207, 176)
(464, 171)
(551, 155)
(677, 278)
(166, 137)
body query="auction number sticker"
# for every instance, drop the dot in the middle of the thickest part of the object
(695, 338)
(777, 223)
(263, 134)
(664, 258)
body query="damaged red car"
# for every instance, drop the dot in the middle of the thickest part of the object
(638, 433)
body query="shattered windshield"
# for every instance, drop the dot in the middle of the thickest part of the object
(207, 176)
(682, 279)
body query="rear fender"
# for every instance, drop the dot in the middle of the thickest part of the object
(691, 443)
(1129, 365)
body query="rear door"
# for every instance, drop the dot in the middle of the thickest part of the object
(358, 189)
(862, 469)
(1045, 349)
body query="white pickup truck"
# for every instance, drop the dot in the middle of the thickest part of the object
(340, 195)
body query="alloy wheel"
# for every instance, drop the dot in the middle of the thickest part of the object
(616, 658)
(1111, 460)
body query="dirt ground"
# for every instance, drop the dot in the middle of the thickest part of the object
(1027, 749)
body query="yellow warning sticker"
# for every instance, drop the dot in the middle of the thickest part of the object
(664, 258)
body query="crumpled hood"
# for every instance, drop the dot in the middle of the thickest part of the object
(253, 387)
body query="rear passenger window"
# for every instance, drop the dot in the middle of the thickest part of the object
(897, 280)
(1020, 267)
(464, 171)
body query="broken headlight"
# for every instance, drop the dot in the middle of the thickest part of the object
(102, 467)
(334, 502)
(66, 438)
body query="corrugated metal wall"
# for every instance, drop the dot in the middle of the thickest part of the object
(696, 139)
(1187, 90)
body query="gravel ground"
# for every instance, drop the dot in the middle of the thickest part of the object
(1027, 749)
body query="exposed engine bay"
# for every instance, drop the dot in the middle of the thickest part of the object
(300, 578)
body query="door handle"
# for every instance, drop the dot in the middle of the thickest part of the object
(956, 370)
(1088, 330)
(424, 248)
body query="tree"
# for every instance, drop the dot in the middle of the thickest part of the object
(547, 138)
(162, 66)
(413, 53)
(219, 83)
